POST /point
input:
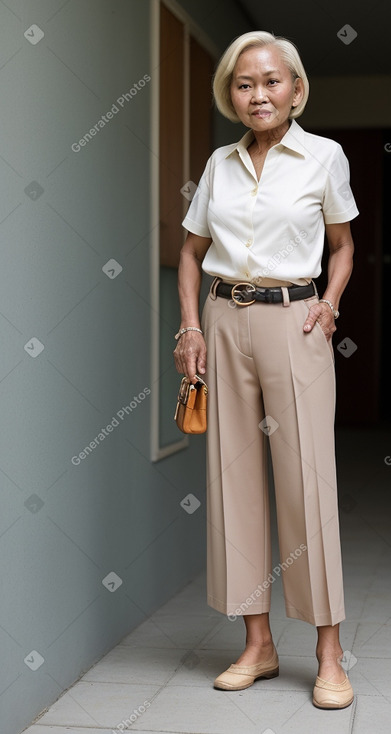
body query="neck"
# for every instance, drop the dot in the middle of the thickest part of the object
(266, 138)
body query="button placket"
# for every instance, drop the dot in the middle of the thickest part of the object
(250, 238)
(253, 194)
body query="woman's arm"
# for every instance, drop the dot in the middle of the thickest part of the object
(339, 270)
(190, 351)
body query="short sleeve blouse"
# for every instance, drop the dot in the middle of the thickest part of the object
(273, 228)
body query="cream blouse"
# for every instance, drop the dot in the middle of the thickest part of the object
(271, 230)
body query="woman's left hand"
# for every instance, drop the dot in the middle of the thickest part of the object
(321, 312)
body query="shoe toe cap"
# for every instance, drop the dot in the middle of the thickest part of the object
(229, 680)
(332, 695)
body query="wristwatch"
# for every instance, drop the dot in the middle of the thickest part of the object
(334, 310)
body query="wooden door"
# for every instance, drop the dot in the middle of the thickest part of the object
(185, 127)
(171, 135)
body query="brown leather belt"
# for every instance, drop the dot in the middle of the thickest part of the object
(243, 294)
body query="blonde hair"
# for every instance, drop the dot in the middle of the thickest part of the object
(223, 76)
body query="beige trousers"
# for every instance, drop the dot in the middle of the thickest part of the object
(270, 381)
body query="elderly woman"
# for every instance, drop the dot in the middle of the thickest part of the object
(257, 224)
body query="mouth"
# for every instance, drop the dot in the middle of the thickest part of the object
(261, 113)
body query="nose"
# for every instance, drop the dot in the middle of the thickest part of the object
(259, 95)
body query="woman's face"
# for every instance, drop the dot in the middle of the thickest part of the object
(262, 88)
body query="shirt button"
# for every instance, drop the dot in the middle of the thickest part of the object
(249, 242)
(254, 191)
(247, 274)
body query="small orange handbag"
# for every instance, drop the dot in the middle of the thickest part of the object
(190, 414)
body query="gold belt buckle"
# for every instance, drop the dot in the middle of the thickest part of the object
(236, 290)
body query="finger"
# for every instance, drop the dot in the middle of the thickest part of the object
(201, 364)
(190, 369)
(178, 362)
(182, 364)
(326, 323)
(313, 315)
(309, 322)
(330, 332)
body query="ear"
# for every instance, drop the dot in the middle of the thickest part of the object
(299, 91)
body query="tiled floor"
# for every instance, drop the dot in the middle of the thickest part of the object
(159, 678)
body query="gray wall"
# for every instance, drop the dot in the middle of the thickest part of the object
(75, 350)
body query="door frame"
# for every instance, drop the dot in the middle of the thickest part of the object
(191, 29)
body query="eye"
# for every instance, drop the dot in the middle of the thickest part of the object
(273, 80)
(242, 86)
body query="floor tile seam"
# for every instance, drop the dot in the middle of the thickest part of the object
(180, 664)
(180, 614)
(209, 686)
(266, 687)
(371, 695)
(376, 657)
(352, 718)
(104, 728)
(235, 649)
(379, 627)
(67, 728)
(212, 632)
(143, 647)
(195, 685)
(71, 729)
(379, 692)
(107, 683)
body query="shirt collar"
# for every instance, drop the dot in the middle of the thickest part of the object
(293, 139)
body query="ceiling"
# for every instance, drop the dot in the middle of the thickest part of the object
(313, 25)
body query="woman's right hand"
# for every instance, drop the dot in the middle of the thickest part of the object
(190, 355)
(190, 351)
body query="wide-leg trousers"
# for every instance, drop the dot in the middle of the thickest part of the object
(270, 381)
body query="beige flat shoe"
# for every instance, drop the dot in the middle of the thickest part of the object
(238, 677)
(328, 695)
